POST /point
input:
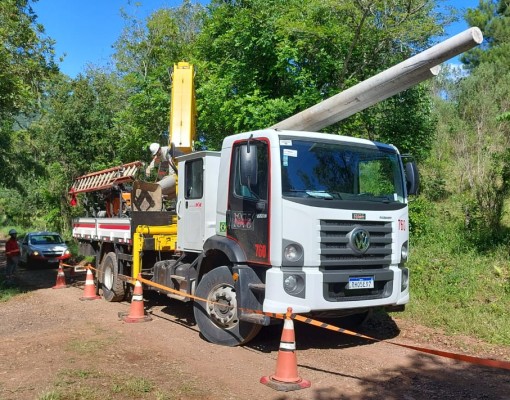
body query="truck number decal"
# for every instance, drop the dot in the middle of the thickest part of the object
(401, 224)
(260, 250)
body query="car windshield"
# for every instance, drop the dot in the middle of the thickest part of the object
(46, 239)
(340, 171)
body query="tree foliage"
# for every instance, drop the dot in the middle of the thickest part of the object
(262, 61)
(471, 156)
(144, 54)
(493, 18)
(257, 63)
(26, 65)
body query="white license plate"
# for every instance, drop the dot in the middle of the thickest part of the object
(361, 282)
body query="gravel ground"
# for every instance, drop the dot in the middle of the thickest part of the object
(53, 341)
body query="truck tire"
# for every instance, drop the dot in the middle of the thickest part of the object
(113, 288)
(220, 324)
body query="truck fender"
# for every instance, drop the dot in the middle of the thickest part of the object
(229, 247)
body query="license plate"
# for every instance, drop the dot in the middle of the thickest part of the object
(361, 282)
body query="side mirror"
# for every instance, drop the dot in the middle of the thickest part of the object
(412, 176)
(248, 165)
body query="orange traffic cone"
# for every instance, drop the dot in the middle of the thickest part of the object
(286, 376)
(61, 278)
(136, 310)
(89, 293)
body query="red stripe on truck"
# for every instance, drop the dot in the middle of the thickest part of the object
(82, 225)
(112, 226)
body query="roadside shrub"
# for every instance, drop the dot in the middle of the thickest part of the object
(419, 214)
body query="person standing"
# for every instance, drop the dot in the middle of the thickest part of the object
(12, 254)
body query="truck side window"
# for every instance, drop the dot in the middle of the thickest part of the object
(194, 179)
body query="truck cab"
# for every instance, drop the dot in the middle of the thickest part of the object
(312, 221)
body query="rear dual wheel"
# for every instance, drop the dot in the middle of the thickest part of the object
(113, 288)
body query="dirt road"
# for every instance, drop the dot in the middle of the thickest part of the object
(54, 343)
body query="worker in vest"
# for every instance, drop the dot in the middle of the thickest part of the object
(162, 158)
(167, 171)
(12, 254)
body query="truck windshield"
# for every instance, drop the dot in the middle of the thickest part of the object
(340, 171)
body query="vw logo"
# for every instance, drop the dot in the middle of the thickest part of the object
(359, 240)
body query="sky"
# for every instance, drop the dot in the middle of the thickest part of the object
(85, 30)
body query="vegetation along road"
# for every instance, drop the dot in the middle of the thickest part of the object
(58, 347)
(259, 62)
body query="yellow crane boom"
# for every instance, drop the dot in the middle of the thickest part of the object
(182, 108)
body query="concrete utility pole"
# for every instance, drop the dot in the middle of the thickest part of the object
(383, 85)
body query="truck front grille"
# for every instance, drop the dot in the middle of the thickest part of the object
(336, 254)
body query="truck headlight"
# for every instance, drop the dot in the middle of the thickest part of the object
(293, 252)
(290, 283)
(35, 253)
(404, 252)
(67, 252)
(405, 279)
(294, 284)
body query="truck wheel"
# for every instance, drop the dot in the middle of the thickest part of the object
(113, 288)
(219, 323)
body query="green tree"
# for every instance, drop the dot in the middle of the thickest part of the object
(75, 134)
(470, 157)
(144, 55)
(262, 61)
(26, 65)
(493, 18)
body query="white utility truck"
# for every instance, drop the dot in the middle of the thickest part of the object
(277, 218)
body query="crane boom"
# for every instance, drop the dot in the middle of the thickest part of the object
(182, 108)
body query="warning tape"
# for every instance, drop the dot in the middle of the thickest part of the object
(454, 356)
(75, 266)
(446, 354)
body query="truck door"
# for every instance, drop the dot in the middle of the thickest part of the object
(248, 205)
(191, 209)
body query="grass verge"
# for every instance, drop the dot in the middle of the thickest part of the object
(91, 384)
(8, 290)
(455, 285)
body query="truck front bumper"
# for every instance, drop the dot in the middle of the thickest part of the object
(327, 291)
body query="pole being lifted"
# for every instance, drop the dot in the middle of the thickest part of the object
(400, 77)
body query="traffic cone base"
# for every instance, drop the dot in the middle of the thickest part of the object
(89, 292)
(61, 278)
(124, 316)
(285, 386)
(286, 377)
(136, 311)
